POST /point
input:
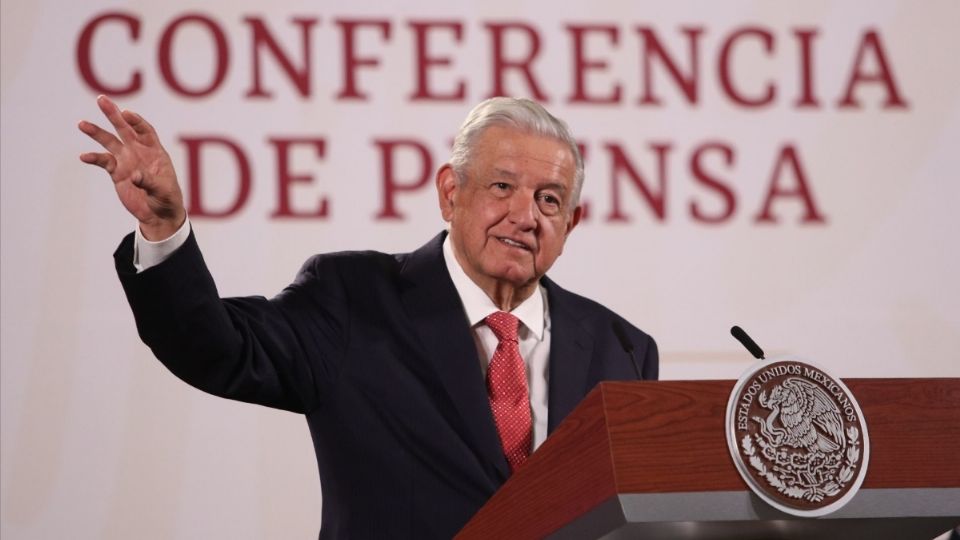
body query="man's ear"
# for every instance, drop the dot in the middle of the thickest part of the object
(446, 190)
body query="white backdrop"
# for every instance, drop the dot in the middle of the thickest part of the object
(845, 115)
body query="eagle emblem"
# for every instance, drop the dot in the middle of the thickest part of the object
(807, 416)
(797, 437)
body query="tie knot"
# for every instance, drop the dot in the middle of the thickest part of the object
(504, 325)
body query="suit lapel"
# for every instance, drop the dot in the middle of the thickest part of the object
(437, 315)
(571, 348)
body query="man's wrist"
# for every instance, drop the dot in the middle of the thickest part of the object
(148, 253)
(161, 230)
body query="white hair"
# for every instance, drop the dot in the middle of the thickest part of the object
(518, 113)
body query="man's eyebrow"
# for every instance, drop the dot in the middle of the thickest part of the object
(554, 185)
(510, 175)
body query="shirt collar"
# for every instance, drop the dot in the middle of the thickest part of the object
(478, 305)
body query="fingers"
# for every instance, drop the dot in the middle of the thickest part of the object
(105, 161)
(106, 139)
(112, 112)
(140, 126)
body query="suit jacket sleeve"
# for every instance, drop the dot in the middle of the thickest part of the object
(651, 361)
(282, 353)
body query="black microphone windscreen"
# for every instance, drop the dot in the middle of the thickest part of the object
(743, 338)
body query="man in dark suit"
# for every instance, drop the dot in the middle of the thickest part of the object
(426, 377)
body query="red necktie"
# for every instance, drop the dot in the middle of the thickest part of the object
(507, 390)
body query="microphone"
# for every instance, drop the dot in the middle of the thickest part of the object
(751, 345)
(627, 346)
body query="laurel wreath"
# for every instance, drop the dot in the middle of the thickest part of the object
(814, 493)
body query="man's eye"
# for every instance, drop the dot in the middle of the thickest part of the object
(502, 186)
(549, 199)
(548, 204)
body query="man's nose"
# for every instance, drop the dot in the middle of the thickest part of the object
(523, 209)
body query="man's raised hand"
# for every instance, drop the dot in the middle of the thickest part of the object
(140, 168)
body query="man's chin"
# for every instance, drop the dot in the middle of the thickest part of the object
(518, 278)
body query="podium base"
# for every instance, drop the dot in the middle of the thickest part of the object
(874, 513)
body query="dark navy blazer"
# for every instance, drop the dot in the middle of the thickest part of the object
(375, 350)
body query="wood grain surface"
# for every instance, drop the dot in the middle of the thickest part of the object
(668, 437)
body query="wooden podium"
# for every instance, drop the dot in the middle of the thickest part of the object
(650, 460)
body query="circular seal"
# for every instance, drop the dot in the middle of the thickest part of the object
(797, 437)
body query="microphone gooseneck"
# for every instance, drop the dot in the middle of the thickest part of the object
(751, 345)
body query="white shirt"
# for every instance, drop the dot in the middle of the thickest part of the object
(534, 334)
(147, 253)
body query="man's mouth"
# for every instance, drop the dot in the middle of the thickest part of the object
(514, 243)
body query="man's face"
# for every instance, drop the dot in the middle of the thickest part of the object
(511, 215)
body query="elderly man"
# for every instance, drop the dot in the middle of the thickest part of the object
(426, 377)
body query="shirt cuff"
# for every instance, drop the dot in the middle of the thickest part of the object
(147, 254)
